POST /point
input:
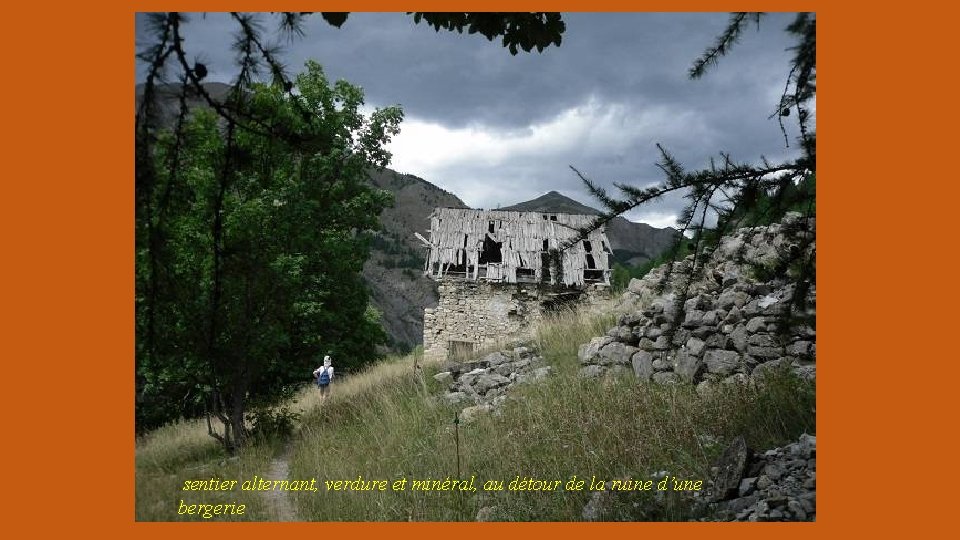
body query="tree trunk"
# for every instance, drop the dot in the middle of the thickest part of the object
(237, 410)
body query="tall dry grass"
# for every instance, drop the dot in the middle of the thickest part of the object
(184, 451)
(603, 428)
(388, 423)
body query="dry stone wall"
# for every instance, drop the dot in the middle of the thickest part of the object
(483, 384)
(733, 325)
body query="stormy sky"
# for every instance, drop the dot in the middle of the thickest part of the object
(497, 129)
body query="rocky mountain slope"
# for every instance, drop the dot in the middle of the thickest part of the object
(394, 271)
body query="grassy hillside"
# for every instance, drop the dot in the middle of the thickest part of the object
(387, 423)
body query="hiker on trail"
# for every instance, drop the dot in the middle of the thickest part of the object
(323, 375)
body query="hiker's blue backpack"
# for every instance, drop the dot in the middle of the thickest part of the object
(324, 378)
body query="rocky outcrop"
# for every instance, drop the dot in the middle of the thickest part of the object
(483, 384)
(729, 323)
(777, 485)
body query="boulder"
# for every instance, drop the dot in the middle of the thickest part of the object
(799, 348)
(722, 363)
(692, 318)
(662, 365)
(730, 299)
(496, 358)
(591, 371)
(764, 352)
(643, 365)
(687, 366)
(725, 483)
(763, 340)
(534, 375)
(471, 413)
(695, 346)
(616, 353)
(739, 338)
(588, 351)
(488, 381)
(757, 324)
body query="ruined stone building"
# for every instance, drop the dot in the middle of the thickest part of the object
(498, 272)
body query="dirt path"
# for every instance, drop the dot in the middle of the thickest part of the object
(280, 501)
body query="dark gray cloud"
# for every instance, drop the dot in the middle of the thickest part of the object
(601, 101)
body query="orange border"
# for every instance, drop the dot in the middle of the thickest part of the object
(68, 280)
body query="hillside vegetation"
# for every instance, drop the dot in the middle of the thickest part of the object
(387, 423)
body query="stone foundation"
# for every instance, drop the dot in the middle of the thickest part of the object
(471, 316)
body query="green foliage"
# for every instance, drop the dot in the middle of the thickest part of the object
(518, 30)
(272, 423)
(250, 246)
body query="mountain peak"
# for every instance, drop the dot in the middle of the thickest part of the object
(553, 201)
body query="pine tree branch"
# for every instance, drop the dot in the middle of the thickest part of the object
(723, 44)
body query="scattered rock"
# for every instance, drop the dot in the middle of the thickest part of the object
(785, 491)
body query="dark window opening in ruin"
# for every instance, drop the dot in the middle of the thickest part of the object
(587, 246)
(553, 218)
(456, 270)
(544, 218)
(528, 275)
(546, 245)
(464, 240)
(604, 246)
(491, 251)
(560, 301)
(460, 350)
(545, 266)
(436, 268)
(591, 264)
(593, 275)
(490, 227)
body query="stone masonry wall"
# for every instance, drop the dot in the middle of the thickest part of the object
(733, 324)
(483, 314)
